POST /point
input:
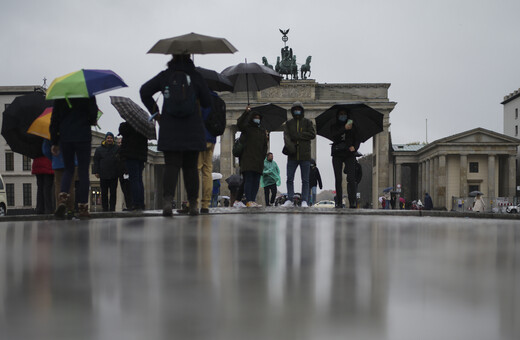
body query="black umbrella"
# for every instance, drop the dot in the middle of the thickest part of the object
(193, 43)
(17, 119)
(367, 120)
(273, 116)
(216, 81)
(251, 76)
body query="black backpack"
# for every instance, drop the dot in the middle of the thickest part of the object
(180, 99)
(216, 121)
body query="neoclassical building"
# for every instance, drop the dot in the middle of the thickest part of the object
(452, 167)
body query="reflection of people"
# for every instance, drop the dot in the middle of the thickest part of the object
(478, 204)
(255, 149)
(344, 146)
(270, 179)
(106, 164)
(71, 134)
(180, 138)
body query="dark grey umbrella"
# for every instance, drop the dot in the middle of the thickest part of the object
(251, 76)
(216, 81)
(367, 120)
(273, 116)
(135, 116)
(193, 43)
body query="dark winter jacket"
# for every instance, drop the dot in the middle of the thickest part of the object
(205, 114)
(315, 178)
(255, 143)
(73, 124)
(428, 203)
(298, 133)
(178, 134)
(106, 161)
(347, 138)
(42, 166)
(134, 145)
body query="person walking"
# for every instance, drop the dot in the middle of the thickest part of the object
(270, 179)
(71, 135)
(314, 181)
(298, 133)
(106, 164)
(428, 203)
(478, 204)
(42, 168)
(134, 154)
(255, 149)
(344, 146)
(181, 128)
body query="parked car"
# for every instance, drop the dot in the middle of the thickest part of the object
(3, 198)
(513, 209)
(325, 204)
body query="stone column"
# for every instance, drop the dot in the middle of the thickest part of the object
(313, 149)
(511, 183)
(427, 176)
(431, 182)
(226, 155)
(435, 182)
(441, 183)
(463, 188)
(491, 177)
(419, 179)
(398, 171)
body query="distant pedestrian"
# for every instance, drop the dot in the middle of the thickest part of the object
(42, 168)
(428, 203)
(106, 163)
(181, 128)
(255, 149)
(123, 176)
(215, 193)
(343, 151)
(71, 135)
(134, 154)
(270, 179)
(298, 134)
(478, 204)
(314, 181)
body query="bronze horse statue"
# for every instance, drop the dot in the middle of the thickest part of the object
(306, 68)
(266, 63)
(287, 67)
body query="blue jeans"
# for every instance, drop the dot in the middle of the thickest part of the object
(135, 176)
(313, 195)
(251, 184)
(305, 168)
(82, 152)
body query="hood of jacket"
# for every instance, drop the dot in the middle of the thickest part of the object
(294, 106)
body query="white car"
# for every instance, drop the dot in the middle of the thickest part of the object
(3, 198)
(325, 204)
(513, 209)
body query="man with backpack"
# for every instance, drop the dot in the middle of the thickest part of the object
(181, 127)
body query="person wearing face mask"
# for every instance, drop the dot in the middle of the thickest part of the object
(298, 133)
(255, 149)
(344, 146)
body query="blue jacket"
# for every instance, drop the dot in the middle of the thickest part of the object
(57, 161)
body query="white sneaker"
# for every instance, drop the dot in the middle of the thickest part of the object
(239, 204)
(304, 204)
(288, 204)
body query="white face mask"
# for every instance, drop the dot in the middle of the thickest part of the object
(256, 121)
(297, 112)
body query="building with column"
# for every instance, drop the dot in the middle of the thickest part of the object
(452, 167)
(511, 122)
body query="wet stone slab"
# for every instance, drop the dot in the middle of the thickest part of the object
(260, 276)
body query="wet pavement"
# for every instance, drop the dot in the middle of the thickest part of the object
(261, 276)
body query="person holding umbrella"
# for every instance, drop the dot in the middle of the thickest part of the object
(255, 149)
(181, 130)
(298, 133)
(344, 146)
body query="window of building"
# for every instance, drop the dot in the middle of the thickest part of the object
(27, 194)
(516, 113)
(473, 167)
(9, 193)
(516, 130)
(9, 161)
(26, 166)
(473, 187)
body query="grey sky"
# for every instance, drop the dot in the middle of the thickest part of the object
(450, 62)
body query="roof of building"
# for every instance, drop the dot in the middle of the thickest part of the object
(407, 147)
(511, 96)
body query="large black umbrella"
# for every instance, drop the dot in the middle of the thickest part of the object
(251, 76)
(216, 81)
(273, 116)
(17, 119)
(367, 120)
(193, 43)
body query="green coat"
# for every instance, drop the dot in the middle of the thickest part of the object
(271, 174)
(255, 144)
(297, 134)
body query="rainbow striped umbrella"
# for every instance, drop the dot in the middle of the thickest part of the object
(84, 84)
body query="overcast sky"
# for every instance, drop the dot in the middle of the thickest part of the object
(449, 61)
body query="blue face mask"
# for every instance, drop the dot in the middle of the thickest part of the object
(256, 121)
(342, 118)
(297, 112)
